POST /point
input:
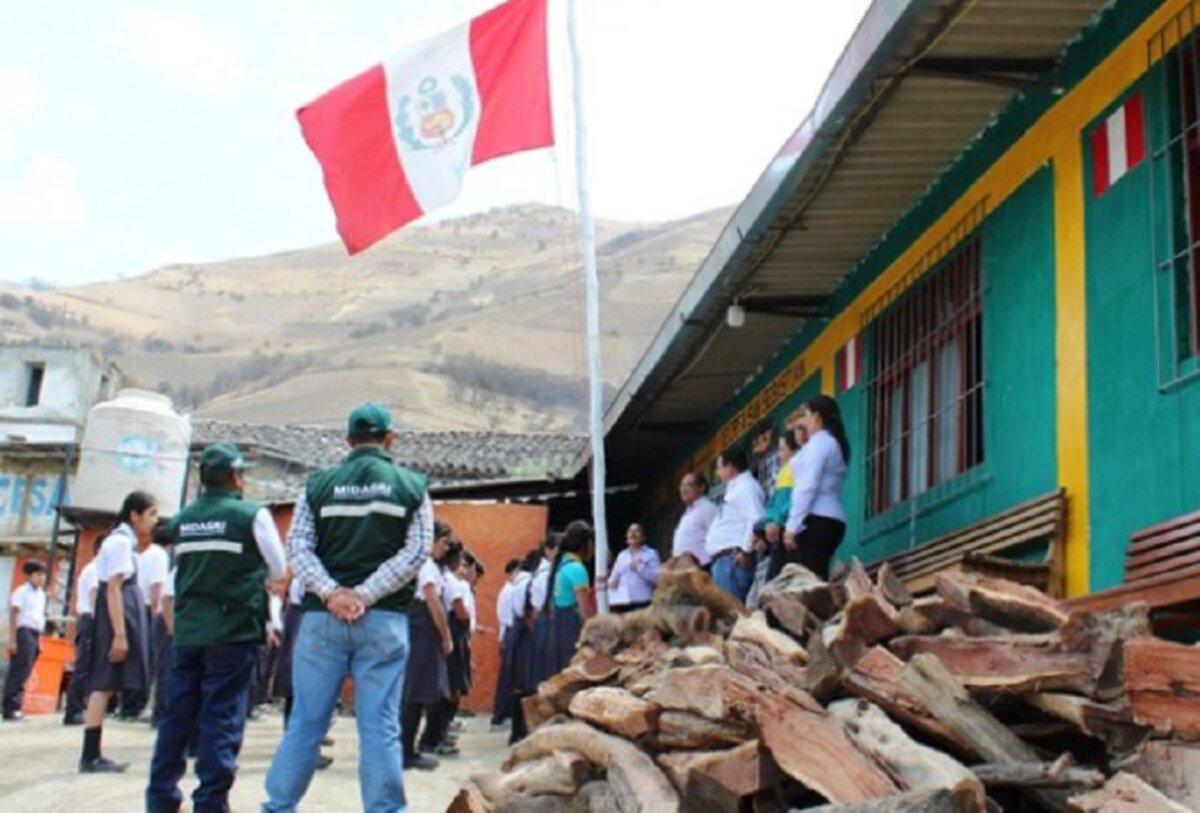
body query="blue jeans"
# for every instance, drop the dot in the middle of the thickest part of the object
(732, 579)
(206, 693)
(374, 651)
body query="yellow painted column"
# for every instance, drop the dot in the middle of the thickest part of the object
(1071, 355)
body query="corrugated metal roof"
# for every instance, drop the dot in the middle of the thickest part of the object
(918, 81)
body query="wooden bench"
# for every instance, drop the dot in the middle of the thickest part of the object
(975, 546)
(1162, 568)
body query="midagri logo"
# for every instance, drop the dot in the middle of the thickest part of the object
(215, 527)
(363, 491)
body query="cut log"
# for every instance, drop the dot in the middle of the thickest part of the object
(1163, 683)
(876, 677)
(560, 774)
(866, 620)
(858, 581)
(1112, 724)
(936, 689)
(691, 586)
(632, 773)
(813, 748)
(685, 731)
(893, 589)
(1173, 768)
(1058, 774)
(823, 673)
(616, 710)
(1010, 605)
(538, 710)
(1125, 793)
(718, 780)
(698, 689)
(922, 801)
(469, 800)
(779, 646)
(799, 600)
(559, 689)
(928, 615)
(915, 766)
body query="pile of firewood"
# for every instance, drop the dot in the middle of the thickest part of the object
(854, 696)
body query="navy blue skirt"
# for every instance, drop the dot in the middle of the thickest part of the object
(426, 680)
(568, 624)
(521, 654)
(458, 665)
(543, 660)
(287, 649)
(133, 674)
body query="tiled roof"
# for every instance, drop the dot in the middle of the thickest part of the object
(446, 457)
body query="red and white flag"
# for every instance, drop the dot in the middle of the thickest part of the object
(847, 364)
(396, 141)
(1118, 144)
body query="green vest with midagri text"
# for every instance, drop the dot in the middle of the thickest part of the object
(220, 597)
(362, 510)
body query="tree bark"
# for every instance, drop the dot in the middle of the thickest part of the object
(616, 710)
(1163, 683)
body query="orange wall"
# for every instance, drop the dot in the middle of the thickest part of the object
(495, 533)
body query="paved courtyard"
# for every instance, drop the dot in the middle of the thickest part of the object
(38, 769)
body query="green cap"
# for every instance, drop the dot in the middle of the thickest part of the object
(223, 455)
(369, 419)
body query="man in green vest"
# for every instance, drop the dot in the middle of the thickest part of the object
(360, 532)
(225, 549)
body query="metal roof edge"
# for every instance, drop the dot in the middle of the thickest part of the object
(874, 43)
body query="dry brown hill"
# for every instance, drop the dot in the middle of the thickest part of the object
(473, 323)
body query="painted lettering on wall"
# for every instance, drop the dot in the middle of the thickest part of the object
(27, 502)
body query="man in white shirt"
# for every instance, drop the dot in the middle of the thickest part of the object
(698, 515)
(502, 700)
(731, 536)
(85, 606)
(26, 622)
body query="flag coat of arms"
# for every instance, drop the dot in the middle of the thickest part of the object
(1118, 144)
(397, 140)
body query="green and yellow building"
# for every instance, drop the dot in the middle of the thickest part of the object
(985, 241)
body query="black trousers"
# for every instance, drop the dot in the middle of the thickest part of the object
(19, 669)
(77, 694)
(815, 545)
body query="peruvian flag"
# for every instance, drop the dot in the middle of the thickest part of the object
(847, 365)
(1118, 144)
(396, 141)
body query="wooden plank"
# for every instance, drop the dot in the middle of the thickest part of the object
(1166, 526)
(982, 540)
(1111, 724)
(1034, 528)
(1185, 545)
(1166, 566)
(1162, 680)
(1161, 591)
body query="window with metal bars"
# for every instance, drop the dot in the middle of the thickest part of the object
(925, 386)
(1176, 199)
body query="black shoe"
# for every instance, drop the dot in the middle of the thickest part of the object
(324, 762)
(14, 717)
(420, 762)
(458, 725)
(73, 719)
(444, 750)
(103, 765)
(327, 742)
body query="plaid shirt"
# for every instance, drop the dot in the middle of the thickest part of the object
(388, 578)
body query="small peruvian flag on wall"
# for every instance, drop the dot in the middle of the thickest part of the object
(847, 364)
(1118, 144)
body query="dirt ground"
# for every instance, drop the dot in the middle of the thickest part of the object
(38, 761)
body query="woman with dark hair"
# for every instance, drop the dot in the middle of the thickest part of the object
(426, 682)
(570, 595)
(119, 657)
(816, 522)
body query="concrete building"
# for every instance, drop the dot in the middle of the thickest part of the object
(46, 391)
(983, 242)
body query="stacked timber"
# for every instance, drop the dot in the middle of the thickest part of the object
(853, 695)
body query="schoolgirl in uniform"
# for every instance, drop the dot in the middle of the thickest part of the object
(119, 637)
(426, 682)
(571, 595)
(542, 660)
(520, 643)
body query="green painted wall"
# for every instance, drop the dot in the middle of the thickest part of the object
(1144, 445)
(1019, 394)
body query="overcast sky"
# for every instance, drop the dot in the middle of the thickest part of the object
(136, 133)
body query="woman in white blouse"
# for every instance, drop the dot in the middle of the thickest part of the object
(816, 523)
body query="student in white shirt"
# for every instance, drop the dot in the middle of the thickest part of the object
(26, 622)
(731, 537)
(816, 523)
(119, 637)
(429, 643)
(635, 572)
(699, 512)
(85, 608)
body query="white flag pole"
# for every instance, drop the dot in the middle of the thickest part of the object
(595, 361)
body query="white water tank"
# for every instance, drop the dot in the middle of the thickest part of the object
(137, 441)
